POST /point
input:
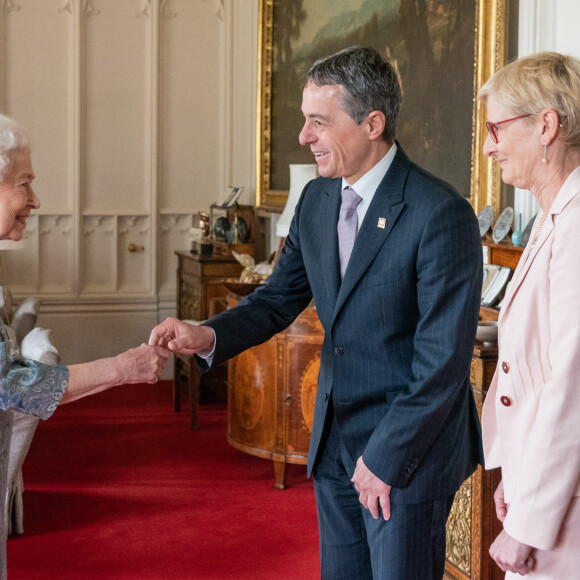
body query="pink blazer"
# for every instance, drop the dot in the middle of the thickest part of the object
(531, 416)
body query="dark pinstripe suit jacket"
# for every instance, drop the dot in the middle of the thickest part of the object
(399, 329)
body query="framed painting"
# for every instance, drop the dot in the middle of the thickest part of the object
(442, 50)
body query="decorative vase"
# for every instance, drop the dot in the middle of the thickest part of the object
(517, 235)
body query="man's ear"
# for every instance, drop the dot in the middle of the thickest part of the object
(376, 124)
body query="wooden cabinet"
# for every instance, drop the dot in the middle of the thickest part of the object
(200, 294)
(472, 524)
(271, 394)
(199, 282)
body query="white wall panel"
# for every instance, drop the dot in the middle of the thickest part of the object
(142, 112)
(174, 235)
(21, 262)
(134, 273)
(241, 96)
(56, 259)
(115, 59)
(99, 264)
(191, 115)
(84, 336)
(37, 89)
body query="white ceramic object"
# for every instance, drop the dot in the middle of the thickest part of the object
(487, 332)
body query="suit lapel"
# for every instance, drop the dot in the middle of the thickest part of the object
(384, 209)
(330, 206)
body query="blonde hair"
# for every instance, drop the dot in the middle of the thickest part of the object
(13, 138)
(546, 80)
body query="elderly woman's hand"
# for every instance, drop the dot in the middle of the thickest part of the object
(144, 364)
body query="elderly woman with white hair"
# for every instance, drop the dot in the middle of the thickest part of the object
(27, 386)
(531, 426)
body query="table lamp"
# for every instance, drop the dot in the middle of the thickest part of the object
(300, 175)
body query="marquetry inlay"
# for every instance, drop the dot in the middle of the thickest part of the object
(249, 392)
(308, 385)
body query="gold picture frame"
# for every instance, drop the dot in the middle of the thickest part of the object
(490, 17)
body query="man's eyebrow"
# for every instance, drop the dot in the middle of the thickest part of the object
(316, 116)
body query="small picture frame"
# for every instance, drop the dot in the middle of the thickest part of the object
(232, 196)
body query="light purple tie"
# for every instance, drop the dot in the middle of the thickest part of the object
(347, 226)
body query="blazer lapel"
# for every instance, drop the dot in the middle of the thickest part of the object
(526, 259)
(567, 193)
(379, 220)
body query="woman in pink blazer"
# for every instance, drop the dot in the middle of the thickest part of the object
(531, 417)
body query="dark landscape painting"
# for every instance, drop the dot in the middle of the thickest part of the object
(429, 42)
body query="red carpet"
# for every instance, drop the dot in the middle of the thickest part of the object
(118, 487)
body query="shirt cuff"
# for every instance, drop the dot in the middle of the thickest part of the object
(207, 356)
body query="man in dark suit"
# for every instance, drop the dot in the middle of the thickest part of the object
(395, 425)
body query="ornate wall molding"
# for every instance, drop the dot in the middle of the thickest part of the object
(165, 10)
(89, 9)
(65, 6)
(218, 8)
(10, 6)
(170, 223)
(55, 223)
(145, 8)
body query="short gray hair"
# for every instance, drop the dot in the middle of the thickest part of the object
(13, 138)
(370, 84)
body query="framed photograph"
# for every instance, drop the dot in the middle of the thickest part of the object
(232, 196)
(442, 50)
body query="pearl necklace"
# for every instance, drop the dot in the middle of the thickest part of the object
(539, 230)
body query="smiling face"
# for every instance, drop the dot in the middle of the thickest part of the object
(340, 146)
(519, 146)
(17, 197)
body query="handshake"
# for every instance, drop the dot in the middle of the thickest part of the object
(146, 363)
(178, 336)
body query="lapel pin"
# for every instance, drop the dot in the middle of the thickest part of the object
(382, 223)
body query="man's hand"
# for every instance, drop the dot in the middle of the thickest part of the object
(372, 491)
(511, 555)
(501, 508)
(178, 336)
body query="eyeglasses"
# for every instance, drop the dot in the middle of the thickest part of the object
(493, 127)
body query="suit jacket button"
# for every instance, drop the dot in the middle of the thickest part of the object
(326, 397)
(505, 401)
(505, 367)
(338, 351)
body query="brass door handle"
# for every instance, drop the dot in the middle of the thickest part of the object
(135, 248)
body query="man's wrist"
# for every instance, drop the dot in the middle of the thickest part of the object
(209, 352)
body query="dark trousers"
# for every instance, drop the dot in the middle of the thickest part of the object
(354, 546)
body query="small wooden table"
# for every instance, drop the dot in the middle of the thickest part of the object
(200, 294)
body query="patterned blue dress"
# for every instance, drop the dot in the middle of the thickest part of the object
(29, 387)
